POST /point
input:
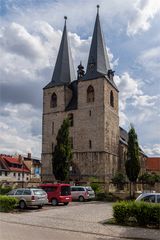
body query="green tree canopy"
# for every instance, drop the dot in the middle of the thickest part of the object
(62, 154)
(132, 164)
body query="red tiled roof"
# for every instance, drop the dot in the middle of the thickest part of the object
(153, 163)
(11, 159)
(14, 160)
(13, 169)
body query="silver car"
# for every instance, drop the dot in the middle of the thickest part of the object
(29, 197)
(82, 193)
(149, 197)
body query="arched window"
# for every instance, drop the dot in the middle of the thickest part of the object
(71, 120)
(90, 94)
(111, 99)
(90, 144)
(53, 101)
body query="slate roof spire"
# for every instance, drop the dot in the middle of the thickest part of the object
(64, 70)
(98, 62)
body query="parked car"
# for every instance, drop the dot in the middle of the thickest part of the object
(57, 193)
(149, 197)
(82, 193)
(29, 197)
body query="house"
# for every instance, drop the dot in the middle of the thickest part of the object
(153, 165)
(13, 169)
(34, 165)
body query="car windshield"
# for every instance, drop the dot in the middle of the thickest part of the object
(39, 192)
(89, 189)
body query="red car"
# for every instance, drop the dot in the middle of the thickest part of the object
(57, 193)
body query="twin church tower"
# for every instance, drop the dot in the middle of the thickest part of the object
(90, 101)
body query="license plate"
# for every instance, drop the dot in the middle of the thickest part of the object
(67, 198)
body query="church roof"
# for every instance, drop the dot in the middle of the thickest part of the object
(64, 71)
(98, 62)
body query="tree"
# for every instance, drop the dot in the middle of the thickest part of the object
(132, 164)
(149, 178)
(62, 154)
(119, 180)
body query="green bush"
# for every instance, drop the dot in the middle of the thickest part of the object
(143, 213)
(108, 197)
(120, 212)
(95, 184)
(4, 190)
(7, 203)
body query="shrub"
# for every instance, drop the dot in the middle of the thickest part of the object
(7, 203)
(144, 213)
(120, 211)
(4, 190)
(94, 183)
(108, 197)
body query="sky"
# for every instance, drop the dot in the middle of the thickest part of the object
(30, 34)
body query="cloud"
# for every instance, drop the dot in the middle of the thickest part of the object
(145, 11)
(150, 60)
(152, 150)
(128, 87)
(16, 130)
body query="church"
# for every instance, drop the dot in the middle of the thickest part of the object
(90, 101)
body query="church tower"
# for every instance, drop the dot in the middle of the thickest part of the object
(91, 103)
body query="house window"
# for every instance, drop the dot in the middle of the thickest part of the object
(6, 174)
(90, 94)
(52, 147)
(0, 173)
(71, 121)
(90, 144)
(14, 174)
(90, 113)
(111, 99)
(52, 128)
(71, 142)
(53, 103)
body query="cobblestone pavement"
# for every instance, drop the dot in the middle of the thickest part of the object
(76, 221)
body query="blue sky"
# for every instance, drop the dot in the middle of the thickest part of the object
(30, 35)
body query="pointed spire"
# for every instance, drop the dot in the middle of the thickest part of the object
(63, 70)
(98, 62)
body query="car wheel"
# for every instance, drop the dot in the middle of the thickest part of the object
(81, 198)
(40, 206)
(22, 205)
(54, 202)
(66, 203)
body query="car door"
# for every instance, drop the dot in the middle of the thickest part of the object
(27, 196)
(74, 193)
(19, 194)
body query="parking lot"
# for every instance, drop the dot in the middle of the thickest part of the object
(75, 221)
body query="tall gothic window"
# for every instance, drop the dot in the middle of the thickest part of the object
(52, 128)
(90, 94)
(53, 103)
(90, 144)
(111, 99)
(71, 120)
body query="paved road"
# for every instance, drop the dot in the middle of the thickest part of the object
(74, 222)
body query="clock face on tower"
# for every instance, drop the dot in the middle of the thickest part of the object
(91, 65)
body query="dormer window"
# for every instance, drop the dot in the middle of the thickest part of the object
(90, 94)
(53, 103)
(111, 99)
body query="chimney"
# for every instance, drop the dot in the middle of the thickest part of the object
(20, 158)
(29, 155)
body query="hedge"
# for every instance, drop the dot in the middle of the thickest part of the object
(142, 213)
(7, 203)
(4, 190)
